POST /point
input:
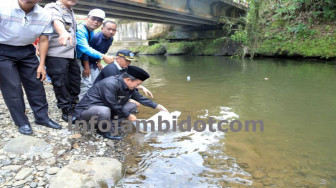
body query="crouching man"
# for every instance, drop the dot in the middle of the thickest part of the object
(109, 98)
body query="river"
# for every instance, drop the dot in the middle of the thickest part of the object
(293, 98)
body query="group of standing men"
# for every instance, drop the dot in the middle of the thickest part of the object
(72, 56)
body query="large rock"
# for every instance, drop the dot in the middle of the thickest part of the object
(97, 172)
(25, 172)
(24, 144)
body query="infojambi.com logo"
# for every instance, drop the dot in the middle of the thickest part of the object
(162, 125)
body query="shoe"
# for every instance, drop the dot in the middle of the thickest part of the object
(109, 136)
(25, 129)
(65, 115)
(50, 124)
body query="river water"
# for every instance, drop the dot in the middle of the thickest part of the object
(293, 98)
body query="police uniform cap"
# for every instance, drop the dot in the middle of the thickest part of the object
(138, 73)
(127, 54)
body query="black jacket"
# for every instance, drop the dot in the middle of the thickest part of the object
(109, 70)
(111, 92)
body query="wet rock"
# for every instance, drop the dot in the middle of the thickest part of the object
(23, 173)
(258, 174)
(88, 173)
(131, 171)
(269, 182)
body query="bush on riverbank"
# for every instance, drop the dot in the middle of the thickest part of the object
(220, 46)
(290, 28)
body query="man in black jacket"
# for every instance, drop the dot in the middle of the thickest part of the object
(110, 98)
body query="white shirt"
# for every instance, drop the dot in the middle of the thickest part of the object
(118, 66)
(19, 29)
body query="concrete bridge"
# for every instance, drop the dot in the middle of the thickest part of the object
(175, 12)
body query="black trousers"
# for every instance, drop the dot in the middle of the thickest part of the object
(65, 77)
(18, 64)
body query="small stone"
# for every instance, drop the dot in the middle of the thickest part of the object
(64, 141)
(46, 155)
(30, 178)
(47, 177)
(51, 161)
(28, 163)
(110, 143)
(76, 136)
(18, 183)
(61, 152)
(40, 174)
(12, 156)
(23, 173)
(40, 168)
(9, 183)
(130, 171)
(13, 168)
(3, 172)
(53, 170)
(41, 183)
(33, 184)
(6, 162)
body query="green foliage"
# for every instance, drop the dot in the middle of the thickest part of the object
(156, 49)
(290, 28)
(240, 35)
(290, 9)
(314, 47)
(178, 48)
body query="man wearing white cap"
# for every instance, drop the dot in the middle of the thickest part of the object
(84, 35)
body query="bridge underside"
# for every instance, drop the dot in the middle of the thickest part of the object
(174, 12)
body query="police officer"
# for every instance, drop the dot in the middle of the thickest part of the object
(61, 61)
(21, 22)
(110, 98)
(121, 62)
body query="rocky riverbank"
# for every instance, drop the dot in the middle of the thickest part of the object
(57, 158)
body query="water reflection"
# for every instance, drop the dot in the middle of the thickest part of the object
(185, 159)
(296, 104)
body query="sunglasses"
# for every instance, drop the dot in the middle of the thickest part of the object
(93, 18)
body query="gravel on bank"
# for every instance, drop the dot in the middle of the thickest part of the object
(62, 148)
